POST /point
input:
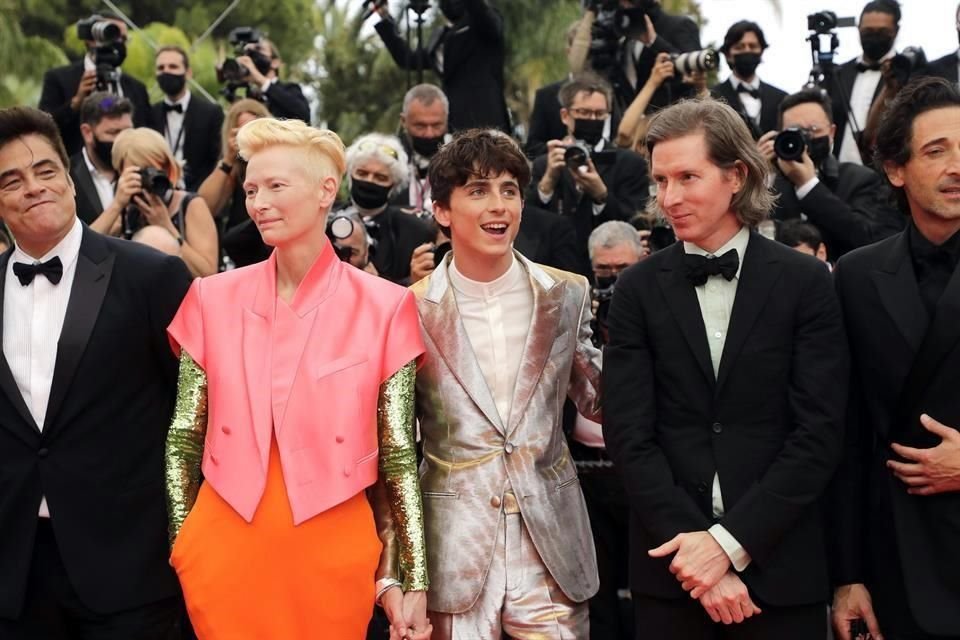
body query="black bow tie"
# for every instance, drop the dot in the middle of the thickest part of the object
(699, 268)
(748, 90)
(167, 107)
(863, 66)
(52, 269)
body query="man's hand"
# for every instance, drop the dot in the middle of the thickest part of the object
(555, 165)
(649, 34)
(88, 81)
(930, 471)
(798, 173)
(415, 613)
(392, 603)
(662, 69)
(644, 241)
(852, 602)
(256, 77)
(765, 145)
(700, 561)
(728, 601)
(128, 186)
(590, 182)
(421, 262)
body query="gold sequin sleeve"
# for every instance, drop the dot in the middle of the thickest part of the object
(397, 503)
(184, 449)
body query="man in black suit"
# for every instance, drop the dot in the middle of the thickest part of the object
(190, 123)
(948, 67)
(284, 99)
(896, 511)
(467, 53)
(64, 89)
(546, 238)
(755, 100)
(724, 390)
(612, 185)
(848, 203)
(87, 389)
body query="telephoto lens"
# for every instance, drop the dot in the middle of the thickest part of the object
(692, 61)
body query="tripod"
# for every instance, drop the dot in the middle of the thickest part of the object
(418, 7)
(822, 77)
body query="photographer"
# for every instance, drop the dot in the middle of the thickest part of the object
(847, 202)
(600, 182)
(64, 88)
(423, 127)
(147, 197)
(468, 54)
(260, 62)
(352, 247)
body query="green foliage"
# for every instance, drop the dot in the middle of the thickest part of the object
(23, 61)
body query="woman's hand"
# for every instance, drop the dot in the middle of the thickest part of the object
(415, 612)
(392, 603)
(154, 211)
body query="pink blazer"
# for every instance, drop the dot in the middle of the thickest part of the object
(310, 372)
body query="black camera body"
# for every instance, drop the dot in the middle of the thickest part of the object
(109, 49)
(908, 62)
(827, 21)
(155, 181)
(790, 144)
(576, 155)
(231, 73)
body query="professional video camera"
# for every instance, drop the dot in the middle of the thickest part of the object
(109, 51)
(824, 42)
(613, 22)
(232, 74)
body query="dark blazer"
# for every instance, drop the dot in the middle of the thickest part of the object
(286, 100)
(851, 207)
(99, 460)
(770, 98)
(545, 122)
(771, 425)
(60, 85)
(89, 206)
(397, 233)
(840, 88)
(472, 70)
(200, 141)
(628, 190)
(904, 364)
(546, 238)
(945, 67)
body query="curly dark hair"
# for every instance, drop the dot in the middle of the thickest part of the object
(895, 132)
(16, 122)
(475, 152)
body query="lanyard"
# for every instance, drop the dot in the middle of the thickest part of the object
(174, 145)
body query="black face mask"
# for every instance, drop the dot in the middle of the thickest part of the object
(103, 150)
(426, 147)
(368, 195)
(453, 9)
(590, 131)
(745, 64)
(875, 44)
(819, 149)
(171, 83)
(606, 282)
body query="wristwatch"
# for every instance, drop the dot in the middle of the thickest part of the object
(226, 168)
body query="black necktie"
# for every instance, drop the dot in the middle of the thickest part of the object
(699, 268)
(52, 269)
(167, 107)
(748, 90)
(863, 66)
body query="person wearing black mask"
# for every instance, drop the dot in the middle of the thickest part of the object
(284, 99)
(611, 185)
(376, 168)
(190, 123)
(755, 100)
(847, 202)
(948, 67)
(423, 130)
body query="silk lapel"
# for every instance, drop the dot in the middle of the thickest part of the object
(897, 286)
(7, 382)
(682, 301)
(257, 351)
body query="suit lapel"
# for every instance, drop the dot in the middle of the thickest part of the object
(682, 301)
(7, 382)
(84, 183)
(441, 321)
(257, 352)
(897, 286)
(758, 274)
(90, 282)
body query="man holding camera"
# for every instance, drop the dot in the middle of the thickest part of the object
(847, 202)
(262, 63)
(580, 176)
(64, 88)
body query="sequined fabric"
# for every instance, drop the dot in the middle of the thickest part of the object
(184, 449)
(400, 492)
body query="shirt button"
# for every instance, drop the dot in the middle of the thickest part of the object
(718, 334)
(495, 502)
(508, 447)
(717, 427)
(702, 487)
(42, 452)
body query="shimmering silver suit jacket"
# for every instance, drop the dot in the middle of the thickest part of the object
(472, 457)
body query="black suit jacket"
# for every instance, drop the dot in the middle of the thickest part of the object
(546, 238)
(945, 67)
(545, 122)
(99, 458)
(472, 71)
(60, 85)
(904, 364)
(627, 193)
(840, 88)
(89, 206)
(286, 100)
(200, 141)
(771, 425)
(851, 207)
(770, 98)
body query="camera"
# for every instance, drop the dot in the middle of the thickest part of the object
(827, 21)
(233, 74)
(692, 61)
(791, 143)
(109, 50)
(908, 62)
(155, 181)
(98, 29)
(577, 155)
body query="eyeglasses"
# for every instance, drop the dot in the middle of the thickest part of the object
(589, 114)
(369, 145)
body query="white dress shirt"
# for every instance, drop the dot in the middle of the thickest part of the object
(716, 298)
(496, 316)
(105, 186)
(750, 104)
(32, 322)
(173, 130)
(861, 99)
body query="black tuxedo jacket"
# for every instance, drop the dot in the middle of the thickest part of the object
(286, 100)
(472, 69)
(627, 193)
(200, 141)
(60, 85)
(851, 207)
(99, 459)
(89, 206)
(546, 238)
(945, 67)
(771, 423)
(545, 122)
(904, 364)
(840, 88)
(770, 98)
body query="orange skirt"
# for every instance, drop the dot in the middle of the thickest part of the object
(270, 580)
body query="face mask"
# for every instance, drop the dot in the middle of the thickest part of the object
(745, 64)
(368, 195)
(453, 9)
(819, 149)
(590, 131)
(875, 44)
(103, 150)
(426, 147)
(606, 282)
(171, 83)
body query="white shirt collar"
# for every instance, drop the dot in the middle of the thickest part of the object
(736, 82)
(739, 242)
(67, 249)
(185, 100)
(474, 289)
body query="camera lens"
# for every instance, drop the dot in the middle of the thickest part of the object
(576, 156)
(790, 144)
(105, 31)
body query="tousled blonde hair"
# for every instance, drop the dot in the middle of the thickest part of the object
(323, 148)
(143, 147)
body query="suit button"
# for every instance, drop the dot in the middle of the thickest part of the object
(339, 439)
(508, 447)
(213, 459)
(717, 427)
(495, 502)
(42, 452)
(225, 429)
(347, 471)
(702, 487)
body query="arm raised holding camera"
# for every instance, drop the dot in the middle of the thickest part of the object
(128, 185)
